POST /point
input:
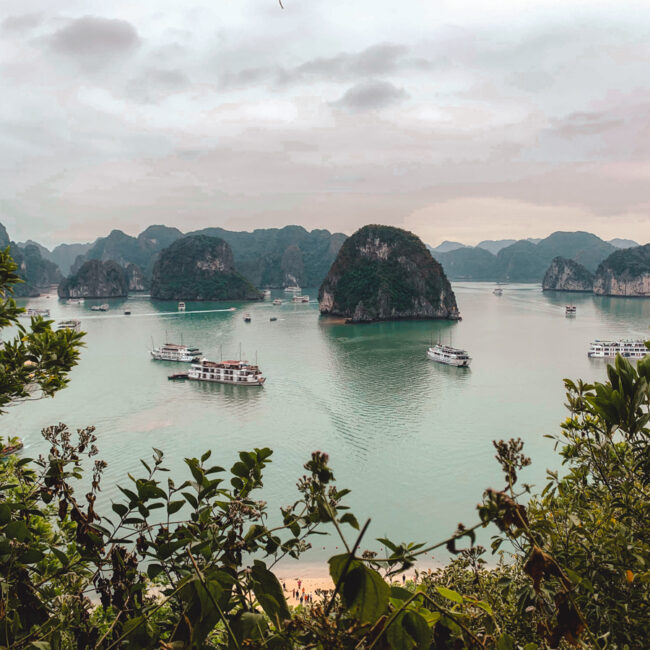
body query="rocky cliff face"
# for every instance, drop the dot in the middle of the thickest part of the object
(96, 279)
(566, 275)
(385, 273)
(136, 278)
(199, 268)
(36, 271)
(625, 273)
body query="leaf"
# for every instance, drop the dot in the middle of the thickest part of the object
(268, 591)
(505, 642)
(5, 513)
(16, 530)
(175, 506)
(365, 593)
(247, 625)
(153, 570)
(119, 509)
(449, 594)
(31, 556)
(409, 630)
(60, 556)
(349, 518)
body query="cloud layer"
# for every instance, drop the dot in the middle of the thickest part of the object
(458, 120)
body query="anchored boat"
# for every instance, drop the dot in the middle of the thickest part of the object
(238, 373)
(300, 299)
(175, 352)
(37, 312)
(570, 310)
(631, 349)
(449, 356)
(72, 324)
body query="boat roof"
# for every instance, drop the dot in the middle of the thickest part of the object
(448, 348)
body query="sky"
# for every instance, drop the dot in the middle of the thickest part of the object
(456, 119)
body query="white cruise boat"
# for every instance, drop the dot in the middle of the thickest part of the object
(72, 324)
(37, 312)
(300, 299)
(238, 373)
(448, 355)
(294, 289)
(266, 293)
(181, 306)
(176, 352)
(498, 292)
(74, 301)
(277, 301)
(103, 307)
(570, 310)
(631, 349)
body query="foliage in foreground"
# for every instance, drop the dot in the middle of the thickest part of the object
(190, 564)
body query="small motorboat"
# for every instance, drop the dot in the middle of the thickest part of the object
(277, 301)
(127, 313)
(181, 306)
(15, 445)
(273, 318)
(570, 310)
(247, 318)
(498, 291)
(177, 376)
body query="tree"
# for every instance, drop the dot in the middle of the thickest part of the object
(36, 362)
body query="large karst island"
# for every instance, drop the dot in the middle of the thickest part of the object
(567, 275)
(199, 267)
(625, 272)
(385, 273)
(96, 279)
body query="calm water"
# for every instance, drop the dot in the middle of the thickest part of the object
(410, 437)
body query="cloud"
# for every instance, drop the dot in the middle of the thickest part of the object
(376, 60)
(371, 95)
(22, 22)
(154, 84)
(94, 37)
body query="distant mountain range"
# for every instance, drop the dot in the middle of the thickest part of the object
(276, 257)
(524, 260)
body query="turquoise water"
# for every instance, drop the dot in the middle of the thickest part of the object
(410, 437)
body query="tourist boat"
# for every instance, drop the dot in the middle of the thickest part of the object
(74, 301)
(177, 376)
(273, 318)
(14, 445)
(267, 293)
(300, 299)
(631, 349)
(498, 292)
(37, 312)
(176, 352)
(247, 318)
(294, 289)
(103, 307)
(238, 373)
(127, 312)
(570, 310)
(448, 355)
(181, 306)
(277, 301)
(72, 324)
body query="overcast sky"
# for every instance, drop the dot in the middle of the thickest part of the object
(457, 119)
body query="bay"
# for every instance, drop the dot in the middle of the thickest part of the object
(411, 438)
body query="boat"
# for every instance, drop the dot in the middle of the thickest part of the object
(181, 306)
(498, 292)
(178, 376)
(72, 324)
(238, 373)
(103, 307)
(247, 318)
(293, 289)
(300, 299)
(277, 301)
(267, 293)
(570, 310)
(127, 313)
(628, 348)
(13, 445)
(37, 312)
(176, 352)
(74, 301)
(273, 318)
(448, 355)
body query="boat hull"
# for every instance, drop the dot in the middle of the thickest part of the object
(226, 381)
